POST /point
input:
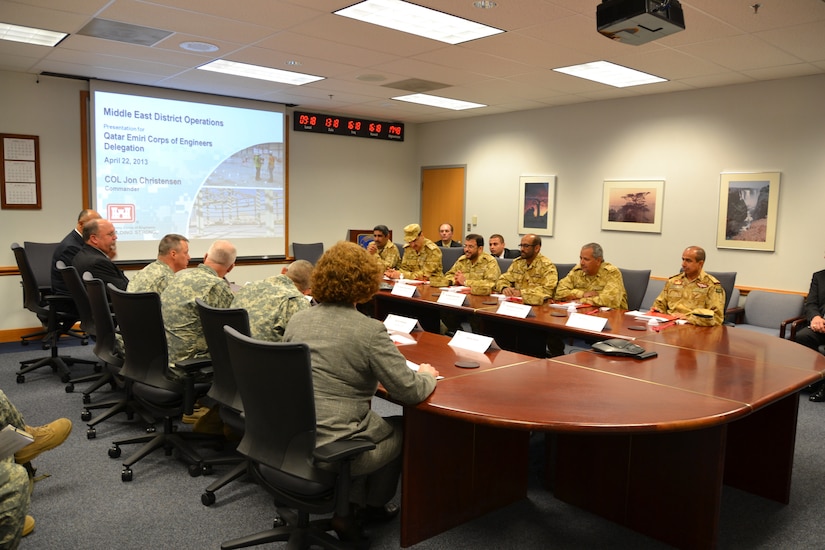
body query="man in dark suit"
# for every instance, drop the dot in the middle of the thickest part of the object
(813, 335)
(68, 247)
(497, 249)
(99, 248)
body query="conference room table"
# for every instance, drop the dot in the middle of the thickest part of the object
(644, 443)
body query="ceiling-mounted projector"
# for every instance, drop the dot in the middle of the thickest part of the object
(639, 21)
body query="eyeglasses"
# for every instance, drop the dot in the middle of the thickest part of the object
(378, 235)
(526, 245)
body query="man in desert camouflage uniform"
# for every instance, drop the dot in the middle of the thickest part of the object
(173, 256)
(693, 295)
(184, 333)
(593, 281)
(532, 276)
(475, 269)
(384, 249)
(422, 258)
(270, 303)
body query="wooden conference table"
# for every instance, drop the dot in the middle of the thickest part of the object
(647, 444)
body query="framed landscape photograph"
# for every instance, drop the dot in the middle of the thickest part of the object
(748, 204)
(633, 206)
(536, 204)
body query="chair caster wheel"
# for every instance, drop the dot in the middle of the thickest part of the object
(20, 378)
(208, 498)
(85, 415)
(114, 451)
(151, 429)
(126, 474)
(195, 470)
(84, 342)
(69, 387)
(278, 522)
(91, 433)
(24, 342)
(87, 398)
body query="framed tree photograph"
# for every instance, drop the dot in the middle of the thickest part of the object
(748, 204)
(633, 206)
(536, 204)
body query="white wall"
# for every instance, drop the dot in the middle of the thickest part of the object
(338, 183)
(686, 139)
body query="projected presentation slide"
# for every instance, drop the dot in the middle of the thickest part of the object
(201, 170)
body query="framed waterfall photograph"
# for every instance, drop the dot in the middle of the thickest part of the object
(536, 204)
(748, 205)
(633, 206)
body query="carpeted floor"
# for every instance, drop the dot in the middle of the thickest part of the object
(81, 501)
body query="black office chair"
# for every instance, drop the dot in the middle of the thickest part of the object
(224, 391)
(728, 280)
(635, 283)
(145, 365)
(310, 252)
(77, 291)
(275, 383)
(51, 311)
(40, 259)
(564, 269)
(110, 352)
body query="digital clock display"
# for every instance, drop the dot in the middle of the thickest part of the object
(347, 126)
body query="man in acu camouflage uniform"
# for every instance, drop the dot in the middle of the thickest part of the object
(173, 256)
(385, 250)
(532, 276)
(184, 333)
(593, 281)
(272, 302)
(422, 258)
(693, 295)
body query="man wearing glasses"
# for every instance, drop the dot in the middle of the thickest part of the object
(385, 250)
(475, 269)
(531, 276)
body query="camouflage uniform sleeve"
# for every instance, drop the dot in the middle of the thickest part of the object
(660, 304)
(715, 302)
(391, 257)
(220, 295)
(284, 312)
(482, 276)
(567, 287)
(612, 293)
(425, 265)
(462, 264)
(506, 279)
(432, 266)
(542, 284)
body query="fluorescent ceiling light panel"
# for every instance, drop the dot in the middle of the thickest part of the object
(417, 20)
(30, 35)
(436, 101)
(261, 73)
(610, 74)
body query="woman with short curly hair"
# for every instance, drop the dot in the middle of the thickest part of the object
(351, 354)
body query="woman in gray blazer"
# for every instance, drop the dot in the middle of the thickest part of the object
(351, 354)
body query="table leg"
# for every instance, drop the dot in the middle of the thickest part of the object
(455, 471)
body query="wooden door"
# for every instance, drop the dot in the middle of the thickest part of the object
(442, 201)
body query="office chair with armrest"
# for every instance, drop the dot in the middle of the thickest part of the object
(51, 311)
(635, 283)
(449, 256)
(145, 365)
(77, 291)
(275, 383)
(504, 263)
(654, 288)
(310, 252)
(770, 312)
(224, 391)
(727, 279)
(40, 259)
(109, 351)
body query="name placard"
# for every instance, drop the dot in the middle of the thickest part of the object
(452, 298)
(405, 290)
(472, 342)
(399, 323)
(586, 322)
(512, 309)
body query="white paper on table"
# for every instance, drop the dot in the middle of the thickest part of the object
(401, 339)
(414, 366)
(399, 323)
